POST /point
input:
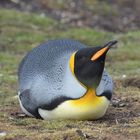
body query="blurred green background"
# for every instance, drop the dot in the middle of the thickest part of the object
(24, 24)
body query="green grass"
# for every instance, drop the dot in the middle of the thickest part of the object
(19, 33)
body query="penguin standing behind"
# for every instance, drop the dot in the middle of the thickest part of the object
(63, 79)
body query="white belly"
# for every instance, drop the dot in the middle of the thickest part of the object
(68, 110)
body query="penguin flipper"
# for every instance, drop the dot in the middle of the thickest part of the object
(105, 87)
(28, 105)
(54, 103)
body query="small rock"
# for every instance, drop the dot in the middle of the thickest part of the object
(82, 134)
(115, 102)
(3, 133)
(122, 104)
(123, 76)
(21, 114)
(118, 103)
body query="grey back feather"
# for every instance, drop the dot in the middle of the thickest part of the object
(106, 84)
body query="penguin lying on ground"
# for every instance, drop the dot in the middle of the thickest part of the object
(63, 79)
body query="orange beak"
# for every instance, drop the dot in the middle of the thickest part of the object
(105, 48)
(98, 54)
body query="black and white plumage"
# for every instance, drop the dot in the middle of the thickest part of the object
(46, 81)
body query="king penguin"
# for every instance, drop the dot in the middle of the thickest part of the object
(65, 79)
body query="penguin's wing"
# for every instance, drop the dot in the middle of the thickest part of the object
(105, 87)
(28, 104)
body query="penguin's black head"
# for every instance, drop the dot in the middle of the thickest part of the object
(89, 64)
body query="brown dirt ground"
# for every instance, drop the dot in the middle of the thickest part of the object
(117, 124)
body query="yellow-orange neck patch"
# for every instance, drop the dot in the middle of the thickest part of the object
(72, 62)
(89, 100)
(72, 67)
